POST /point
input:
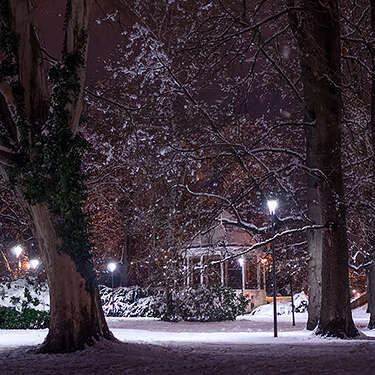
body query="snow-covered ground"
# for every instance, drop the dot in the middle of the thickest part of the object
(244, 346)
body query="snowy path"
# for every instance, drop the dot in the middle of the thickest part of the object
(236, 348)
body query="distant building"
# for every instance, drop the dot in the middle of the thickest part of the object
(245, 273)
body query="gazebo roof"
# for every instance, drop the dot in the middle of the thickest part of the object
(220, 240)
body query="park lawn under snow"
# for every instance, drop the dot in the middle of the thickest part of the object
(244, 346)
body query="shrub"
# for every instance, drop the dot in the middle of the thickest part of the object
(127, 302)
(26, 292)
(27, 318)
(24, 317)
(203, 304)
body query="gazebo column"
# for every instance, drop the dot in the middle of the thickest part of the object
(259, 274)
(264, 276)
(226, 276)
(243, 267)
(188, 280)
(201, 271)
(222, 273)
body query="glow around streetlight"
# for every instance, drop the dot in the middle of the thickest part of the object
(272, 205)
(111, 267)
(34, 263)
(17, 250)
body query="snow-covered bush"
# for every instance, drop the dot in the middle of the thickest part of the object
(25, 292)
(29, 292)
(284, 306)
(301, 302)
(128, 302)
(203, 304)
(21, 307)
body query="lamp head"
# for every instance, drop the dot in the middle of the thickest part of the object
(272, 206)
(111, 267)
(34, 263)
(17, 250)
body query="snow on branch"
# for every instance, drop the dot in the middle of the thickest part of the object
(247, 226)
(254, 229)
(278, 150)
(264, 243)
(361, 266)
(257, 25)
(202, 194)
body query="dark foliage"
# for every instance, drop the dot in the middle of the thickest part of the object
(28, 318)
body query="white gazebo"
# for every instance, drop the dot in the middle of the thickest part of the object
(245, 273)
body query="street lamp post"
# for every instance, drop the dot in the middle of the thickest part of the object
(272, 205)
(292, 296)
(111, 267)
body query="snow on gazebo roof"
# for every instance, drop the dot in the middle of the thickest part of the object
(221, 240)
(219, 250)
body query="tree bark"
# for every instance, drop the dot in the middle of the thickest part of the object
(314, 278)
(77, 318)
(127, 211)
(318, 35)
(124, 261)
(371, 295)
(314, 238)
(371, 269)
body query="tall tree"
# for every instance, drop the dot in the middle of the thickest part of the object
(371, 270)
(40, 153)
(317, 31)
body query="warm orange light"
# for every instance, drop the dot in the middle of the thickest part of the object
(263, 260)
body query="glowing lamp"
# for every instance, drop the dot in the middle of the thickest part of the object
(111, 267)
(17, 250)
(272, 205)
(34, 263)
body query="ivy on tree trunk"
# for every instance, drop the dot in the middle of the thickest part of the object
(41, 155)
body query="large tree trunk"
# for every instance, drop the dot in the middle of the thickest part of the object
(314, 238)
(45, 166)
(371, 295)
(318, 35)
(77, 318)
(314, 276)
(371, 270)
